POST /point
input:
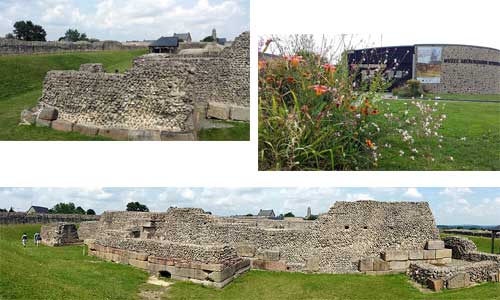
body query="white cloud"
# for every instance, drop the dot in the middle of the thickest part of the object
(455, 192)
(412, 193)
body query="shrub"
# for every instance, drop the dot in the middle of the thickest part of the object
(412, 88)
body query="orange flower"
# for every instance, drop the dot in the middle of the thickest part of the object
(375, 111)
(353, 108)
(369, 144)
(329, 68)
(295, 60)
(269, 79)
(367, 103)
(291, 80)
(262, 64)
(319, 89)
(364, 111)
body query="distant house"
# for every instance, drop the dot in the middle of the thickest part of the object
(266, 213)
(164, 45)
(221, 41)
(183, 37)
(37, 210)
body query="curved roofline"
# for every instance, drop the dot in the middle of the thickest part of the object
(430, 44)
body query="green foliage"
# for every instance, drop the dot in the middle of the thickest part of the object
(72, 35)
(3, 210)
(412, 88)
(27, 31)
(289, 215)
(208, 39)
(79, 210)
(136, 206)
(312, 217)
(238, 131)
(9, 36)
(90, 212)
(249, 215)
(60, 272)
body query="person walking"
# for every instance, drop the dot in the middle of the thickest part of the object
(37, 238)
(24, 239)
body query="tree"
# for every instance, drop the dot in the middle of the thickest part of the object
(9, 36)
(11, 209)
(64, 208)
(136, 206)
(289, 215)
(208, 39)
(79, 210)
(72, 35)
(90, 212)
(3, 210)
(27, 31)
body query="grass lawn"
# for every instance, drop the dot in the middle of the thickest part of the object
(464, 96)
(21, 79)
(483, 243)
(240, 131)
(64, 273)
(478, 122)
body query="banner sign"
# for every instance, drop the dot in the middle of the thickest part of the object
(428, 66)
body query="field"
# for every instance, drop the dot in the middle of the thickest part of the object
(483, 243)
(477, 122)
(65, 273)
(21, 79)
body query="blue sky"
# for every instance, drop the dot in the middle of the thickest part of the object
(129, 19)
(450, 205)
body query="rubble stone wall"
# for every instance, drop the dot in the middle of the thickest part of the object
(334, 243)
(17, 47)
(159, 93)
(24, 218)
(59, 234)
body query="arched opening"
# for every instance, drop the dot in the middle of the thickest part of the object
(165, 274)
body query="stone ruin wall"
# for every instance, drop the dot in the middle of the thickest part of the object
(334, 243)
(8, 218)
(17, 47)
(60, 234)
(158, 93)
(468, 78)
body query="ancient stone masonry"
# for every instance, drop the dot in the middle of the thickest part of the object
(60, 234)
(24, 218)
(161, 98)
(16, 47)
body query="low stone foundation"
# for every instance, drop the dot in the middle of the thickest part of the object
(218, 268)
(60, 234)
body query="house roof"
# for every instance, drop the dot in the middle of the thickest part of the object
(221, 41)
(170, 41)
(266, 213)
(39, 209)
(183, 36)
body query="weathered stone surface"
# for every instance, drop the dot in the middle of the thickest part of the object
(246, 250)
(366, 264)
(43, 123)
(434, 245)
(28, 117)
(118, 134)
(62, 125)
(279, 266)
(60, 234)
(416, 254)
(312, 264)
(48, 113)
(221, 275)
(380, 265)
(239, 113)
(177, 136)
(85, 129)
(399, 265)
(271, 255)
(429, 254)
(435, 284)
(92, 68)
(390, 255)
(218, 111)
(144, 135)
(141, 264)
(460, 246)
(458, 281)
(443, 253)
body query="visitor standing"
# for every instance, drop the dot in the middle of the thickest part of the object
(37, 238)
(24, 239)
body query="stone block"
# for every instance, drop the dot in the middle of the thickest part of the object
(240, 113)
(43, 123)
(441, 261)
(141, 264)
(435, 284)
(218, 111)
(271, 255)
(222, 275)
(399, 265)
(62, 125)
(443, 253)
(86, 130)
(48, 113)
(366, 264)
(493, 277)
(138, 256)
(28, 117)
(144, 135)
(458, 281)
(156, 268)
(188, 273)
(391, 255)
(118, 134)
(269, 265)
(434, 245)
(429, 254)
(380, 265)
(246, 250)
(177, 136)
(416, 254)
(312, 264)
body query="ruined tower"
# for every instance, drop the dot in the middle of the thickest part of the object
(214, 34)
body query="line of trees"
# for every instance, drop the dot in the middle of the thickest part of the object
(28, 31)
(69, 208)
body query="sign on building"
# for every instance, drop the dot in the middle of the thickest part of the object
(428, 66)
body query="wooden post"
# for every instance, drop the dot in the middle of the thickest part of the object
(493, 234)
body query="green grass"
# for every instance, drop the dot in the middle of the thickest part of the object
(483, 243)
(485, 97)
(21, 79)
(64, 273)
(59, 272)
(479, 123)
(240, 131)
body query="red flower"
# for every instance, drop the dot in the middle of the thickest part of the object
(262, 64)
(319, 89)
(367, 103)
(353, 108)
(329, 68)
(375, 111)
(369, 144)
(364, 111)
(291, 80)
